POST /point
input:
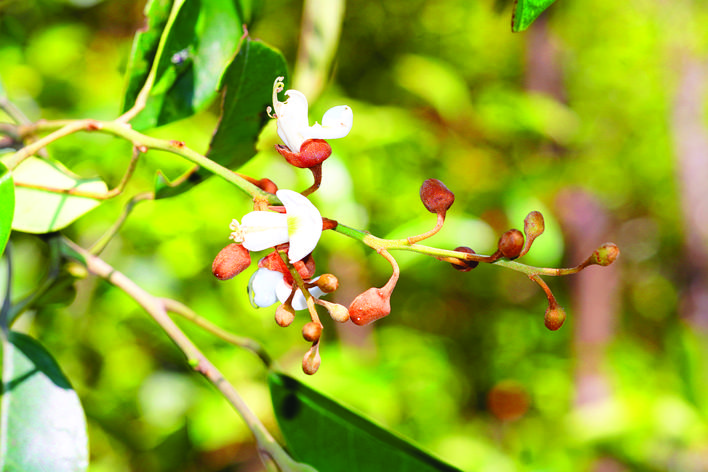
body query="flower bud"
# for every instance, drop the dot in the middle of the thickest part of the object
(231, 261)
(339, 313)
(312, 153)
(284, 315)
(554, 318)
(511, 243)
(311, 360)
(534, 225)
(328, 283)
(605, 254)
(436, 197)
(267, 185)
(312, 331)
(370, 306)
(468, 265)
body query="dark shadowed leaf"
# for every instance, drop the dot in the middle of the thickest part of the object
(526, 11)
(7, 205)
(247, 88)
(331, 438)
(43, 425)
(192, 50)
(43, 210)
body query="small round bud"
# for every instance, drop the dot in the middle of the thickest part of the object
(339, 313)
(554, 318)
(468, 265)
(436, 197)
(231, 261)
(311, 360)
(328, 283)
(370, 306)
(284, 315)
(312, 153)
(511, 243)
(534, 225)
(605, 254)
(311, 331)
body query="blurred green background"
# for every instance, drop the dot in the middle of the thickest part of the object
(595, 117)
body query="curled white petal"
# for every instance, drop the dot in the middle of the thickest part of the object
(304, 224)
(293, 121)
(260, 230)
(262, 287)
(292, 116)
(336, 123)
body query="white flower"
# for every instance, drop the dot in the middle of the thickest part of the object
(268, 286)
(301, 226)
(293, 122)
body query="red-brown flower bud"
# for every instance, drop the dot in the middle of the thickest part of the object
(267, 185)
(328, 283)
(370, 306)
(511, 243)
(312, 152)
(311, 331)
(534, 225)
(554, 318)
(468, 265)
(605, 254)
(436, 197)
(231, 261)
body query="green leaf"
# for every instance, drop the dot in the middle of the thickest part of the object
(7, 205)
(39, 210)
(526, 11)
(331, 438)
(145, 48)
(192, 50)
(247, 87)
(43, 424)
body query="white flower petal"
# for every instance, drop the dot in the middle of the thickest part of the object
(304, 224)
(292, 116)
(336, 123)
(264, 229)
(262, 287)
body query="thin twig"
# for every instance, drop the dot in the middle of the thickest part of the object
(197, 360)
(241, 341)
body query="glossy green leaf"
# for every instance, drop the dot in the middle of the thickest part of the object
(43, 424)
(7, 205)
(194, 46)
(331, 438)
(247, 88)
(42, 210)
(526, 11)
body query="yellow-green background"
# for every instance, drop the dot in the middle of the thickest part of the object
(440, 89)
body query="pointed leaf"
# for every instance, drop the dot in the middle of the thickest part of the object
(526, 11)
(43, 424)
(7, 205)
(193, 50)
(247, 87)
(39, 210)
(331, 438)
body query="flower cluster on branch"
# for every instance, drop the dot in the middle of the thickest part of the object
(292, 231)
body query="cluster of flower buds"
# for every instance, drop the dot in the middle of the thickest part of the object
(287, 274)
